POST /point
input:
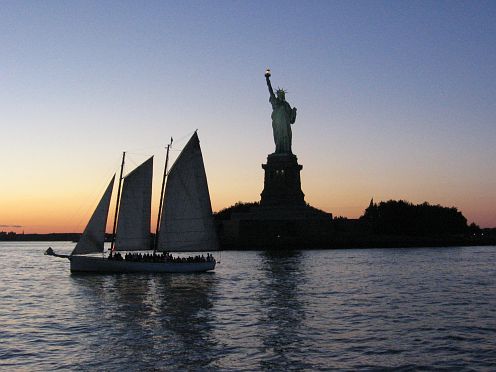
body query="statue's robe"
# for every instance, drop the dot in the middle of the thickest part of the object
(282, 118)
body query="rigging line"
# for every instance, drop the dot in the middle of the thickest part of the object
(184, 138)
(134, 164)
(140, 149)
(139, 153)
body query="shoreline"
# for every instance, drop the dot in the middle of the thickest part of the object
(378, 244)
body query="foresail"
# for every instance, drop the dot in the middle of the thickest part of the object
(93, 237)
(187, 223)
(133, 223)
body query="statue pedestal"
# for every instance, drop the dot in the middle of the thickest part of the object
(282, 220)
(282, 184)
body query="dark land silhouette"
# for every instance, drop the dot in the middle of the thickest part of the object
(50, 237)
(385, 224)
(394, 223)
(12, 236)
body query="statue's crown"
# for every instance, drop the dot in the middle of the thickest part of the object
(280, 90)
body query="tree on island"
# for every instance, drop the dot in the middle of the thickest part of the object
(245, 207)
(398, 217)
(7, 236)
(239, 207)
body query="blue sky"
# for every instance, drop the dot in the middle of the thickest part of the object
(395, 99)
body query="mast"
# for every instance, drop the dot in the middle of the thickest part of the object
(161, 197)
(117, 203)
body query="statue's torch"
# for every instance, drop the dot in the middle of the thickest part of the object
(267, 73)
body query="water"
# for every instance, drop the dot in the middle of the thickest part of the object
(310, 310)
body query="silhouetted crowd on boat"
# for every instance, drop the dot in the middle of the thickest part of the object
(160, 257)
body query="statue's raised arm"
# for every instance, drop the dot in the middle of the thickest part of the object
(269, 85)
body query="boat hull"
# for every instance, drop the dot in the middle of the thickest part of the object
(85, 264)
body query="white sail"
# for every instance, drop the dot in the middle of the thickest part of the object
(133, 222)
(94, 234)
(187, 223)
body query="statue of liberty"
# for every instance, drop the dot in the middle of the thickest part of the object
(282, 118)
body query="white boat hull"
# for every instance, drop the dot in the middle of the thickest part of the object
(85, 264)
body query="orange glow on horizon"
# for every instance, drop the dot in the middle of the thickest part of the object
(65, 215)
(64, 205)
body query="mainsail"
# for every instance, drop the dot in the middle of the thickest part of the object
(133, 223)
(187, 223)
(93, 236)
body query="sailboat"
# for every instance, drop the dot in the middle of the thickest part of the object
(185, 221)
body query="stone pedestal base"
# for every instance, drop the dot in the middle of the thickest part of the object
(297, 227)
(282, 185)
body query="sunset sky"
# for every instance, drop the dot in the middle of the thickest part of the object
(396, 100)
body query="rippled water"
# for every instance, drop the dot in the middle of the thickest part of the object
(343, 309)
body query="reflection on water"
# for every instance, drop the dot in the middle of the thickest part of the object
(186, 305)
(346, 309)
(284, 312)
(148, 315)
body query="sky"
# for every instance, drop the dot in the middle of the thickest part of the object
(395, 99)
